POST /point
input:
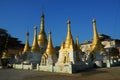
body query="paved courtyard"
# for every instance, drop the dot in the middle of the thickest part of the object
(96, 74)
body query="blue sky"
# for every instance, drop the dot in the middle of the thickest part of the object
(18, 16)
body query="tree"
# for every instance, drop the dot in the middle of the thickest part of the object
(7, 41)
(3, 36)
(114, 52)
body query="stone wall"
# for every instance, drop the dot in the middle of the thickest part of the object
(23, 66)
(63, 69)
(49, 68)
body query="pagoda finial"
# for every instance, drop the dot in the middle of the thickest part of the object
(35, 47)
(42, 23)
(69, 40)
(26, 47)
(50, 50)
(94, 21)
(42, 16)
(68, 21)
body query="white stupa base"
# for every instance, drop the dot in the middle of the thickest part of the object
(98, 63)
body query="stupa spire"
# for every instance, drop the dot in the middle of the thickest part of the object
(69, 40)
(95, 33)
(42, 40)
(26, 47)
(35, 47)
(96, 44)
(50, 49)
(62, 45)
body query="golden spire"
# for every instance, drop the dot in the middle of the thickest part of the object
(35, 46)
(95, 35)
(96, 44)
(63, 45)
(69, 43)
(42, 24)
(42, 40)
(26, 47)
(50, 50)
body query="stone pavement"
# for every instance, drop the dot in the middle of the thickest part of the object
(95, 74)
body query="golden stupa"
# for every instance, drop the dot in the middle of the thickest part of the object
(69, 43)
(35, 47)
(42, 39)
(50, 49)
(26, 47)
(96, 43)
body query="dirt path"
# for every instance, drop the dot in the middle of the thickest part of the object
(96, 74)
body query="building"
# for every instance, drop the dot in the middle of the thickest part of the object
(106, 41)
(33, 54)
(49, 57)
(72, 57)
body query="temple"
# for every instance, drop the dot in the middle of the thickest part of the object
(49, 57)
(42, 55)
(38, 47)
(70, 56)
(67, 53)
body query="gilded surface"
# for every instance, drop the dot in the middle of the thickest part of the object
(50, 49)
(67, 46)
(35, 46)
(63, 45)
(26, 47)
(44, 57)
(42, 40)
(69, 43)
(96, 44)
